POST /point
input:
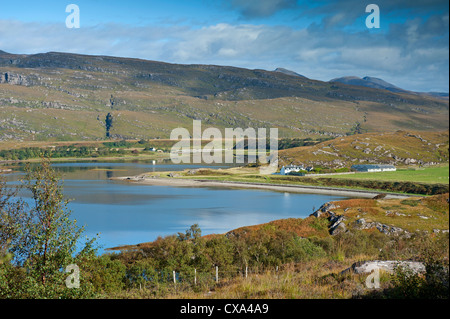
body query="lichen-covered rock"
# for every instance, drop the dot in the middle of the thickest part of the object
(338, 228)
(367, 267)
(324, 209)
(383, 228)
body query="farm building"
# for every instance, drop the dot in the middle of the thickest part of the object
(374, 168)
(286, 170)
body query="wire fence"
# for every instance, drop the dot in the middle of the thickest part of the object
(194, 277)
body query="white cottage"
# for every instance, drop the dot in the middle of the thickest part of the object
(286, 170)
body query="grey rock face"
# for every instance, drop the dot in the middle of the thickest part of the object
(338, 225)
(385, 229)
(337, 228)
(325, 208)
(366, 267)
(14, 79)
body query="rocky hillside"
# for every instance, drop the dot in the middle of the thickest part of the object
(397, 148)
(392, 217)
(61, 96)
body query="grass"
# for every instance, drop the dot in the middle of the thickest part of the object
(307, 280)
(251, 175)
(378, 148)
(430, 175)
(300, 281)
(414, 214)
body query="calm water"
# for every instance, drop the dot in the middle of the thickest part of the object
(125, 213)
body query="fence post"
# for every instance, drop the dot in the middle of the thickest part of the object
(174, 278)
(217, 274)
(195, 277)
(246, 271)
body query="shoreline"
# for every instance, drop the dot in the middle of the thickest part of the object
(87, 159)
(303, 189)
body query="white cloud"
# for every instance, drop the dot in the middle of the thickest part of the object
(318, 54)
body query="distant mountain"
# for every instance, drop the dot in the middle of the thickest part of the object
(289, 72)
(65, 96)
(377, 83)
(441, 95)
(368, 81)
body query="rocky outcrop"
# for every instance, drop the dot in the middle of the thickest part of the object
(324, 209)
(383, 228)
(367, 267)
(337, 225)
(340, 223)
(14, 79)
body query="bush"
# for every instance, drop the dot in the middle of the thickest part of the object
(409, 285)
(359, 242)
(106, 274)
(304, 249)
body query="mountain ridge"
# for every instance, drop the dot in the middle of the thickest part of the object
(373, 82)
(65, 96)
(289, 72)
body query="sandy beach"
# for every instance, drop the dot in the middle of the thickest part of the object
(178, 182)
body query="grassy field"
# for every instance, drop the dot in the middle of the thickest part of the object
(432, 175)
(381, 148)
(428, 181)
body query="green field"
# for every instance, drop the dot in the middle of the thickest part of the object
(430, 175)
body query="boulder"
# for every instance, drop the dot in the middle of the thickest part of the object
(382, 228)
(324, 209)
(367, 267)
(338, 228)
(380, 196)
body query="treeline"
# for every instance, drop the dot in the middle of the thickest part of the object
(117, 148)
(189, 253)
(59, 152)
(286, 143)
(391, 186)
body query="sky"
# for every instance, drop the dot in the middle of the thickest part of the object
(321, 39)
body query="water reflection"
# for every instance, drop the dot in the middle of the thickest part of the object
(127, 213)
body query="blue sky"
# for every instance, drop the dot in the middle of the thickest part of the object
(320, 39)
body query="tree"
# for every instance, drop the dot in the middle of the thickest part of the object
(12, 222)
(108, 124)
(43, 240)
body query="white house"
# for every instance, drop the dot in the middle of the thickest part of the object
(374, 168)
(286, 170)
